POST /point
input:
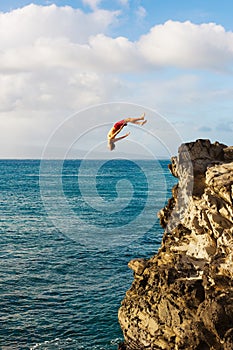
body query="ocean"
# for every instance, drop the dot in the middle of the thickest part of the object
(68, 230)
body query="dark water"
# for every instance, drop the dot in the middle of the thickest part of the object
(64, 248)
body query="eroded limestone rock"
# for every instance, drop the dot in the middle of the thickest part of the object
(182, 298)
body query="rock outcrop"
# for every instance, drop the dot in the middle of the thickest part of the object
(182, 298)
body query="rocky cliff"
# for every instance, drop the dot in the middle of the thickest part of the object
(182, 298)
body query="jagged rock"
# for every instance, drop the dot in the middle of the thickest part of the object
(138, 265)
(182, 298)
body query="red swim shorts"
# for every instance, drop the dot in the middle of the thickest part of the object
(119, 124)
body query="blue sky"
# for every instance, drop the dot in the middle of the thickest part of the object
(175, 57)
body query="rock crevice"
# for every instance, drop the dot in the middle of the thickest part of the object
(182, 298)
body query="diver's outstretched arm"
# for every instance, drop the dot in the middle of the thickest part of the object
(121, 137)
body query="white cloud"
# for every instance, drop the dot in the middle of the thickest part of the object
(37, 37)
(141, 12)
(24, 26)
(188, 45)
(93, 4)
(124, 2)
(118, 54)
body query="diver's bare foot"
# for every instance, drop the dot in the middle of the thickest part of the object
(143, 115)
(144, 122)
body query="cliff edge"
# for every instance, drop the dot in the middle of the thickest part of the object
(182, 298)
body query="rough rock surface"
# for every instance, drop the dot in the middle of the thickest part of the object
(182, 298)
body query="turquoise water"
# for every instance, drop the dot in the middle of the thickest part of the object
(64, 248)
